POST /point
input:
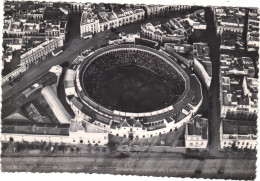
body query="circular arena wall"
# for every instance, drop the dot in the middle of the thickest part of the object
(86, 97)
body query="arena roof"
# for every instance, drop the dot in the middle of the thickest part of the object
(81, 107)
(156, 127)
(102, 119)
(90, 128)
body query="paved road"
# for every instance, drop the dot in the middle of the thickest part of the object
(74, 47)
(140, 164)
(214, 109)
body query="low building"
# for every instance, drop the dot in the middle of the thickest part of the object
(40, 52)
(12, 75)
(86, 133)
(200, 34)
(102, 20)
(179, 48)
(89, 23)
(238, 88)
(238, 134)
(253, 41)
(129, 38)
(221, 29)
(156, 10)
(153, 32)
(196, 133)
(202, 65)
(73, 133)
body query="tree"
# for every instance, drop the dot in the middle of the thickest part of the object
(78, 150)
(233, 146)
(5, 35)
(112, 146)
(72, 150)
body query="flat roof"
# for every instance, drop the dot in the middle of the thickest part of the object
(198, 126)
(239, 127)
(36, 128)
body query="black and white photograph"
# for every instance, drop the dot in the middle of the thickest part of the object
(130, 88)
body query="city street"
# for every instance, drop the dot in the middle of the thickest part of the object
(176, 161)
(138, 164)
(74, 47)
(214, 109)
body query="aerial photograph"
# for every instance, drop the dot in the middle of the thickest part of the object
(130, 89)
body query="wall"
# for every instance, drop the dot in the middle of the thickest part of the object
(199, 69)
(13, 74)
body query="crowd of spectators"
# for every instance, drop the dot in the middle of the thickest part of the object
(110, 60)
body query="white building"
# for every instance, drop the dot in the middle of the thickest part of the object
(179, 48)
(240, 134)
(39, 53)
(129, 38)
(156, 10)
(196, 133)
(73, 133)
(202, 65)
(153, 32)
(238, 88)
(13, 75)
(92, 23)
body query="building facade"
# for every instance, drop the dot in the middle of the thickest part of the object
(238, 88)
(40, 52)
(156, 10)
(202, 65)
(196, 133)
(92, 23)
(73, 133)
(238, 134)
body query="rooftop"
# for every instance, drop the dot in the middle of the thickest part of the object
(88, 17)
(239, 127)
(198, 126)
(39, 128)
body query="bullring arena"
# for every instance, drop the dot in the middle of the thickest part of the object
(132, 91)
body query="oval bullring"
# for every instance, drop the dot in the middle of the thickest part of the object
(128, 73)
